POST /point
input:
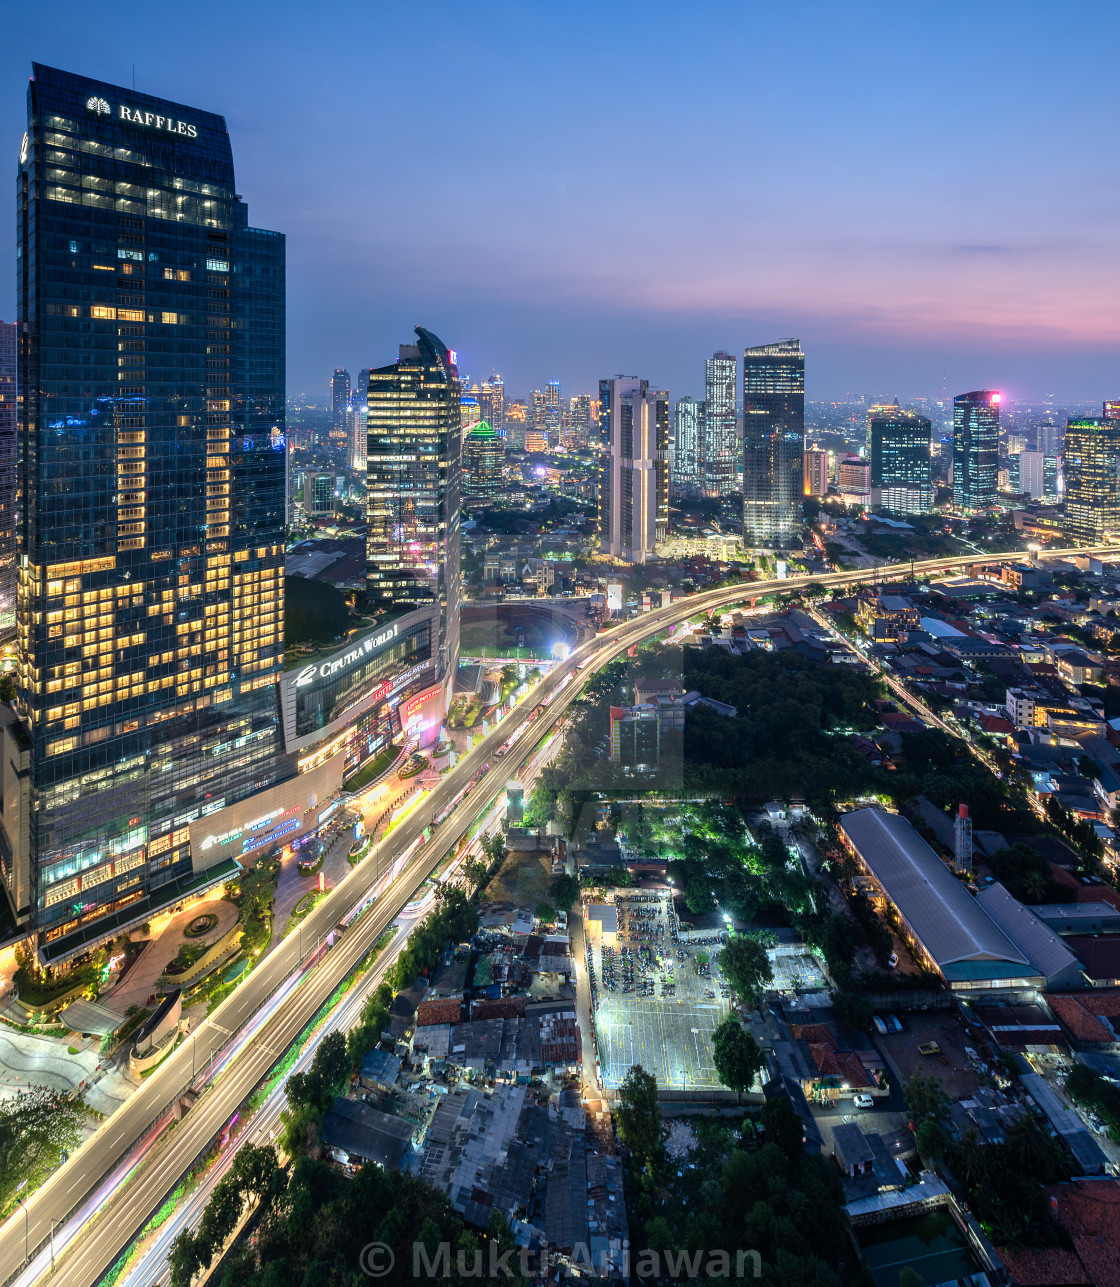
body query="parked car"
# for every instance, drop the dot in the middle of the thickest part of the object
(929, 1048)
(880, 1026)
(892, 960)
(894, 1023)
(863, 1101)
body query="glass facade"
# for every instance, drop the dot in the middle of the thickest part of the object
(773, 444)
(975, 449)
(688, 435)
(719, 446)
(413, 484)
(483, 459)
(1092, 476)
(152, 466)
(901, 464)
(8, 455)
(319, 704)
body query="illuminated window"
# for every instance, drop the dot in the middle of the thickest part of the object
(103, 311)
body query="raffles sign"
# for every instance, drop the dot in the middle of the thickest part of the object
(137, 116)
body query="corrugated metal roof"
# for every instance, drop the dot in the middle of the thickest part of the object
(1033, 937)
(941, 912)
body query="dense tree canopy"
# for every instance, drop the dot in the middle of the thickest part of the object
(36, 1127)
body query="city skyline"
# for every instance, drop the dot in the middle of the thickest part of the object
(883, 267)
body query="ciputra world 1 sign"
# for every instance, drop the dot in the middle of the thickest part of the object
(328, 668)
(134, 116)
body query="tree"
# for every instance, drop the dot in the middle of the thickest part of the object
(783, 1127)
(476, 872)
(737, 1056)
(36, 1128)
(565, 892)
(926, 1097)
(854, 1010)
(639, 1115)
(931, 1141)
(746, 967)
(908, 1276)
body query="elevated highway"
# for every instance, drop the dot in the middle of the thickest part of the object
(107, 1191)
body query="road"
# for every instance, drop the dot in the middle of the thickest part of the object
(90, 1172)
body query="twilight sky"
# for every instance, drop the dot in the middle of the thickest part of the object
(576, 189)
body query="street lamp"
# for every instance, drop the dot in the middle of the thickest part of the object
(23, 1203)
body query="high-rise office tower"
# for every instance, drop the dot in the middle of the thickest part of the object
(8, 386)
(517, 424)
(1031, 474)
(975, 449)
(901, 464)
(356, 437)
(150, 606)
(538, 405)
(720, 444)
(340, 403)
(469, 412)
(815, 472)
(413, 484)
(492, 405)
(633, 482)
(773, 444)
(663, 433)
(688, 437)
(1092, 476)
(579, 414)
(482, 461)
(853, 480)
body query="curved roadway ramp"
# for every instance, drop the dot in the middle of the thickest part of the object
(107, 1191)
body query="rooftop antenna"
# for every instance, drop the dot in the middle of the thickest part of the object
(133, 75)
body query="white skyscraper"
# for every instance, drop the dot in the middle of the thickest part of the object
(633, 468)
(688, 431)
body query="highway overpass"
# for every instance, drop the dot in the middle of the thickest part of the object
(107, 1213)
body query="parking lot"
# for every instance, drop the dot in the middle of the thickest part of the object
(952, 1065)
(655, 1000)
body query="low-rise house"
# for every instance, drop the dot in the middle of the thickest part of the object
(355, 1134)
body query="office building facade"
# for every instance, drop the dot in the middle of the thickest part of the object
(719, 452)
(975, 450)
(773, 444)
(1031, 474)
(901, 464)
(340, 403)
(1092, 477)
(633, 508)
(814, 472)
(413, 485)
(492, 404)
(688, 436)
(9, 383)
(150, 607)
(482, 462)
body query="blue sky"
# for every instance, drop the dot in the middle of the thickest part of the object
(574, 190)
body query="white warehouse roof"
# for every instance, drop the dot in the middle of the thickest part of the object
(950, 923)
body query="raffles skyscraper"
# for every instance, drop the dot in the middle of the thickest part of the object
(150, 597)
(773, 444)
(413, 485)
